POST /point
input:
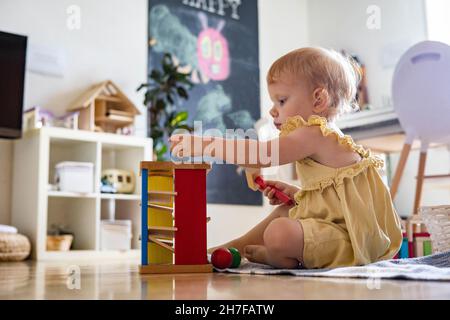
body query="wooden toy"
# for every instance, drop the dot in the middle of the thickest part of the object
(254, 180)
(404, 252)
(104, 107)
(427, 247)
(236, 257)
(222, 258)
(122, 181)
(416, 239)
(420, 240)
(174, 218)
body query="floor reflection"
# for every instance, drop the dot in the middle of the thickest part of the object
(121, 280)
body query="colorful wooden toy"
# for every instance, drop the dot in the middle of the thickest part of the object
(236, 257)
(104, 107)
(222, 258)
(174, 218)
(254, 180)
(416, 239)
(404, 249)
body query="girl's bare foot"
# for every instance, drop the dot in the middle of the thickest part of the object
(256, 253)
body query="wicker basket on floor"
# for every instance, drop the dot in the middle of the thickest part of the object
(59, 243)
(437, 220)
(14, 247)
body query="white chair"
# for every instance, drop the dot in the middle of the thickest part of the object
(421, 97)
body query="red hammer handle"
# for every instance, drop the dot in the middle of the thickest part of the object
(278, 194)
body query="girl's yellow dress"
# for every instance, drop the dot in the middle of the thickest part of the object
(347, 214)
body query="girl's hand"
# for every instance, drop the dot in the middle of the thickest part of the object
(269, 191)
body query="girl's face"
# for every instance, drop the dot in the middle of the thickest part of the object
(291, 97)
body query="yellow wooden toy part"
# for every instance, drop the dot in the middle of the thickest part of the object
(160, 216)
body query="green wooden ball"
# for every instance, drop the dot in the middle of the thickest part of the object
(236, 257)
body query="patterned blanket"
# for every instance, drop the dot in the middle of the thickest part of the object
(434, 267)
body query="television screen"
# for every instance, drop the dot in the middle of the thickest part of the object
(12, 76)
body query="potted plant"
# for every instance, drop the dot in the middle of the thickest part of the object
(166, 88)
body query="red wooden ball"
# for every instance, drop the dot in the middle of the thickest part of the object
(221, 258)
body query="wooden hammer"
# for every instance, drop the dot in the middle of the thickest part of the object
(255, 182)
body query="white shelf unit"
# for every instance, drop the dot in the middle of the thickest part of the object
(35, 208)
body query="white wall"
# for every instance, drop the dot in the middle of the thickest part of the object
(438, 20)
(342, 24)
(111, 44)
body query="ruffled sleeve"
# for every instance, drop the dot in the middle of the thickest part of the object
(295, 122)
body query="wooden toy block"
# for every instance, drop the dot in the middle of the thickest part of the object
(420, 244)
(190, 216)
(174, 218)
(415, 227)
(175, 268)
(159, 214)
(404, 252)
(427, 247)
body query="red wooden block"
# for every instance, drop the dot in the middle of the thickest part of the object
(190, 216)
(278, 194)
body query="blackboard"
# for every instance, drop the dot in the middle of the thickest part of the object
(219, 40)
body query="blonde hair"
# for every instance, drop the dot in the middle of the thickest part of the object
(338, 75)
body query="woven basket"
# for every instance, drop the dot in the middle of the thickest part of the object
(14, 247)
(59, 243)
(437, 220)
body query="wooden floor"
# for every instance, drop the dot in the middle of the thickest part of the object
(121, 280)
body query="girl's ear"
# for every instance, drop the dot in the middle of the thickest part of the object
(320, 100)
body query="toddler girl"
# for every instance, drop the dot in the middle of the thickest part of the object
(342, 214)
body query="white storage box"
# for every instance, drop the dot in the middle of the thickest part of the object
(115, 235)
(75, 176)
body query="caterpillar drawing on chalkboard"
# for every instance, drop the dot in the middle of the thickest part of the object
(212, 51)
(207, 56)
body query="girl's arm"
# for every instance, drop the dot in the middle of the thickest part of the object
(250, 153)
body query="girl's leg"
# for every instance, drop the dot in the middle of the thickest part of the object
(283, 245)
(255, 235)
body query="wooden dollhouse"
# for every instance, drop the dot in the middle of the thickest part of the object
(104, 108)
(173, 235)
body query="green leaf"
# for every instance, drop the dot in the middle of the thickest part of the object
(179, 117)
(143, 85)
(182, 92)
(160, 151)
(156, 75)
(160, 104)
(170, 99)
(156, 132)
